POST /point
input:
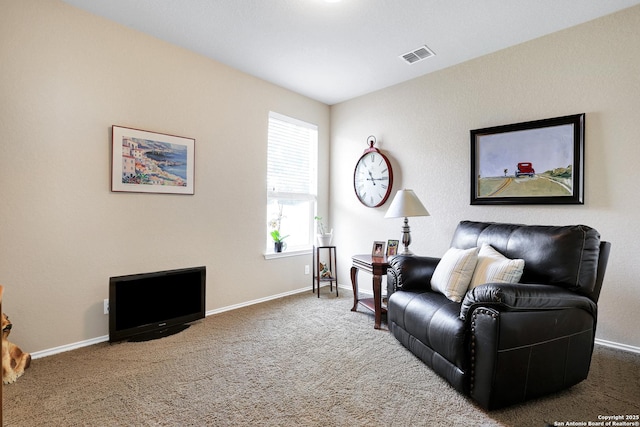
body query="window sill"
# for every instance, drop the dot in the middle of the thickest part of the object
(285, 254)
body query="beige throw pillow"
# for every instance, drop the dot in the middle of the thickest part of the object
(493, 267)
(453, 273)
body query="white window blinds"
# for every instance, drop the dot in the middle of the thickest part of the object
(291, 156)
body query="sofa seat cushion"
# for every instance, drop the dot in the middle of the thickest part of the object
(432, 319)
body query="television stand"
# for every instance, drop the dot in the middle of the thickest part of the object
(160, 333)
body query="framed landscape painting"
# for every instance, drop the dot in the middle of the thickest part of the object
(538, 162)
(150, 162)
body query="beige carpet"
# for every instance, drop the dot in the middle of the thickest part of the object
(297, 361)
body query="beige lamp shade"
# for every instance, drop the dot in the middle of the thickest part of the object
(406, 204)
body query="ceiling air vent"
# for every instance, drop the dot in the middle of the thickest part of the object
(423, 52)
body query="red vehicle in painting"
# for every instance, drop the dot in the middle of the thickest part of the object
(525, 168)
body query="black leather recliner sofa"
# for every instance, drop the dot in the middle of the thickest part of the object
(506, 343)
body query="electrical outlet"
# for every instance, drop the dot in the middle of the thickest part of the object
(306, 269)
(106, 306)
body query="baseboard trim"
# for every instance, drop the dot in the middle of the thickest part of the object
(618, 346)
(104, 338)
(256, 301)
(69, 347)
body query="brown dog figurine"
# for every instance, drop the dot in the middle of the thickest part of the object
(324, 271)
(14, 360)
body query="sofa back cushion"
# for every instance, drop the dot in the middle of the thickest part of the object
(565, 256)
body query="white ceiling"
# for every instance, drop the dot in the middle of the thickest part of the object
(333, 52)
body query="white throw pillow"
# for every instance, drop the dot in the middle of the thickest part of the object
(493, 267)
(454, 271)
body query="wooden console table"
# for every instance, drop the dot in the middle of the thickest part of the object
(378, 267)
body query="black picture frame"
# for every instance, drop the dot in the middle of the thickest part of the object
(536, 162)
(392, 248)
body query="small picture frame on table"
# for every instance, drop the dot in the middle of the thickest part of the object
(378, 249)
(392, 248)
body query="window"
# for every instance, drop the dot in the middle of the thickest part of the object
(291, 181)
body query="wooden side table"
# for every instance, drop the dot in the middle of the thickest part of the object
(317, 274)
(378, 267)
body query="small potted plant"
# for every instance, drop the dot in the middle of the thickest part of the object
(278, 239)
(324, 237)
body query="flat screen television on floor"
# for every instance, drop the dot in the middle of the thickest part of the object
(153, 305)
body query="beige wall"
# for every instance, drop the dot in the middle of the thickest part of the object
(423, 125)
(66, 77)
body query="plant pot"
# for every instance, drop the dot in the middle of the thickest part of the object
(324, 239)
(278, 246)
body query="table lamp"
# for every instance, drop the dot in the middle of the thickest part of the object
(406, 204)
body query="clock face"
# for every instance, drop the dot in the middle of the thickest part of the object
(373, 179)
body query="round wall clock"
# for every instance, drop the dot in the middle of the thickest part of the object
(373, 176)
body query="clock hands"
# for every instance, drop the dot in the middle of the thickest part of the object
(373, 180)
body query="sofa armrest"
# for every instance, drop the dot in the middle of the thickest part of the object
(410, 273)
(524, 297)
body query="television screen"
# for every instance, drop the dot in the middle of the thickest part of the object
(152, 305)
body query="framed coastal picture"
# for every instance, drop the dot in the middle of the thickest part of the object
(151, 162)
(538, 162)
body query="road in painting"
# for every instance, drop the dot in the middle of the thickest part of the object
(545, 156)
(151, 162)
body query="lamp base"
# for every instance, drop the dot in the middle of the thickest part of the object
(406, 237)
